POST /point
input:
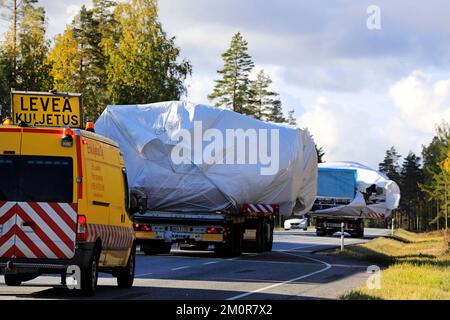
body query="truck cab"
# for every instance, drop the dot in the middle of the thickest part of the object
(336, 188)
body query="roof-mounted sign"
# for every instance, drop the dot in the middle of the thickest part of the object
(47, 109)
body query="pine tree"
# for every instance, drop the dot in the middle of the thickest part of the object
(390, 165)
(410, 179)
(264, 104)
(291, 118)
(92, 71)
(231, 91)
(434, 173)
(79, 60)
(23, 47)
(143, 63)
(33, 73)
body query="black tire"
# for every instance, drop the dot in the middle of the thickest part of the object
(233, 246)
(260, 235)
(165, 248)
(125, 276)
(149, 248)
(89, 275)
(13, 280)
(320, 233)
(268, 234)
(239, 240)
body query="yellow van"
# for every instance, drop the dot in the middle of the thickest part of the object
(64, 205)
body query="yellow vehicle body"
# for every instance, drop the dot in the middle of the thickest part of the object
(49, 207)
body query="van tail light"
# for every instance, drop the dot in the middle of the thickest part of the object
(82, 230)
(244, 208)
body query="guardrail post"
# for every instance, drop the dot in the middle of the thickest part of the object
(342, 236)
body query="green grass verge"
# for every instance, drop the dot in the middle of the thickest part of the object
(418, 266)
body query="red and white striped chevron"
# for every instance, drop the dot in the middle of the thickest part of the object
(374, 215)
(112, 237)
(42, 230)
(260, 208)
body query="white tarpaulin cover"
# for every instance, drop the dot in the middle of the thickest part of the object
(148, 135)
(376, 205)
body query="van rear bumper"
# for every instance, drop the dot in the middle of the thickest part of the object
(83, 253)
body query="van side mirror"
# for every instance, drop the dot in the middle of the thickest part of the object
(138, 203)
(142, 204)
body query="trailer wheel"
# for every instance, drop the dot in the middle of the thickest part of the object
(233, 246)
(153, 247)
(260, 235)
(13, 280)
(268, 234)
(239, 239)
(149, 249)
(165, 248)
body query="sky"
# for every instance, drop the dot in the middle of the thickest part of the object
(358, 90)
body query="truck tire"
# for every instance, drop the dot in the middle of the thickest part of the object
(239, 239)
(153, 247)
(165, 248)
(260, 235)
(89, 275)
(233, 246)
(13, 280)
(125, 276)
(268, 233)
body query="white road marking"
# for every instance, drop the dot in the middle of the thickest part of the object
(180, 268)
(299, 247)
(210, 262)
(144, 274)
(327, 266)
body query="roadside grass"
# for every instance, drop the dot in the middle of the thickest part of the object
(418, 266)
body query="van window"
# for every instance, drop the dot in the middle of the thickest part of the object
(36, 179)
(127, 192)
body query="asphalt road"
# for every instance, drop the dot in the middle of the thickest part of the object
(291, 271)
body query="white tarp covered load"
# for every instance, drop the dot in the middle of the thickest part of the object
(213, 173)
(376, 195)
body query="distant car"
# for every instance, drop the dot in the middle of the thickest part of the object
(297, 223)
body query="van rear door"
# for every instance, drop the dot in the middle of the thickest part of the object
(38, 196)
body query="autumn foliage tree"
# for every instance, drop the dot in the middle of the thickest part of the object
(143, 64)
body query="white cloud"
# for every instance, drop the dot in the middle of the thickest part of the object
(345, 132)
(363, 132)
(198, 88)
(71, 11)
(422, 102)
